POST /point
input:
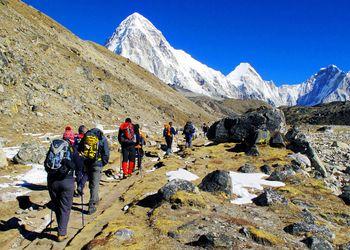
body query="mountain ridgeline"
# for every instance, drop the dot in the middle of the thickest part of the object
(139, 40)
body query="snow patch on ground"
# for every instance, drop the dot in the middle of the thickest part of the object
(181, 174)
(36, 175)
(10, 152)
(242, 181)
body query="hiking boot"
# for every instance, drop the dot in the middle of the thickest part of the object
(91, 210)
(61, 238)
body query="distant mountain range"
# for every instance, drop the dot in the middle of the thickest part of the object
(139, 40)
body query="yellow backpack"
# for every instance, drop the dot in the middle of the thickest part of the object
(90, 149)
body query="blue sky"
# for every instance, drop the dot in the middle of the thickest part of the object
(285, 40)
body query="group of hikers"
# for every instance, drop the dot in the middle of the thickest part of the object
(80, 157)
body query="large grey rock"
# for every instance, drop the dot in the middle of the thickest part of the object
(277, 140)
(299, 143)
(3, 160)
(217, 181)
(345, 195)
(317, 243)
(173, 186)
(301, 159)
(269, 197)
(124, 234)
(247, 168)
(107, 101)
(301, 228)
(281, 173)
(30, 153)
(243, 128)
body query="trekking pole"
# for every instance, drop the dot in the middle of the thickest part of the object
(82, 209)
(51, 214)
(139, 161)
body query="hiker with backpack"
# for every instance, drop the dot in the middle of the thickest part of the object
(205, 129)
(68, 135)
(59, 165)
(81, 176)
(168, 133)
(94, 148)
(127, 140)
(189, 131)
(140, 141)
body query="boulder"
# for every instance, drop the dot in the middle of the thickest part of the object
(301, 228)
(217, 181)
(173, 186)
(281, 173)
(247, 168)
(243, 128)
(106, 101)
(266, 169)
(345, 195)
(269, 197)
(3, 160)
(124, 234)
(301, 159)
(277, 140)
(30, 153)
(299, 143)
(317, 243)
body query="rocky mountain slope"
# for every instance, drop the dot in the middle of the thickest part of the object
(139, 40)
(336, 113)
(50, 78)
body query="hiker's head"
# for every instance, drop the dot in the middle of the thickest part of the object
(69, 136)
(68, 128)
(128, 120)
(82, 129)
(170, 124)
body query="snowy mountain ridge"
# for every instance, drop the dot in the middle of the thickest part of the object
(139, 40)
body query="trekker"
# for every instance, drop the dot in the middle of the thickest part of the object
(60, 167)
(127, 139)
(168, 133)
(94, 149)
(140, 141)
(205, 129)
(68, 135)
(189, 131)
(81, 176)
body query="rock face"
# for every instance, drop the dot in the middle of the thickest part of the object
(30, 153)
(269, 197)
(173, 186)
(3, 160)
(217, 181)
(299, 143)
(243, 128)
(345, 195)
(317, 243)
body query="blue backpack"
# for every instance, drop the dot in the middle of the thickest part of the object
(59, 151)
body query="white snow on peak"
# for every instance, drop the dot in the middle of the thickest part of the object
(139, 40)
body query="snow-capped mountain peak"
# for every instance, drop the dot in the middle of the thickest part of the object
(139, 40)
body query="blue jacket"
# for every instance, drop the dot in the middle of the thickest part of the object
(172, 132)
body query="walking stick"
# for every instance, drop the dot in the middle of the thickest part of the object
(82, 210)
(51, 219)
(139, 162)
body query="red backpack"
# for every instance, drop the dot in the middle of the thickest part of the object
(128, 132)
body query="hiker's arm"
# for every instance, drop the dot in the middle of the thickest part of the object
(105, 152)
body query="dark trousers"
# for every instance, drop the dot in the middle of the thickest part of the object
(169, 143)
(188, 141)
(94, 174)
(129, 153)
(80, 173)
(61, 193)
